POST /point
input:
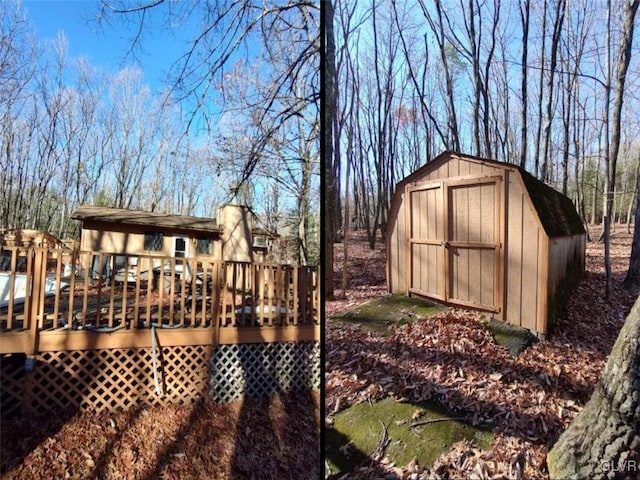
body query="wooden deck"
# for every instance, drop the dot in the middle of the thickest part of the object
(106, 300)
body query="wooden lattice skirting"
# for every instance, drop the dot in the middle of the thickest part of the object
(12, 379)
(102, 380)
(263, 369)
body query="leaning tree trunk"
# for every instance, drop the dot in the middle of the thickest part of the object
(604, 439)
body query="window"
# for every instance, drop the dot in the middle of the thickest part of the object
(259, 241)
(204, 246)
(153, 241)
(118, 262)
(180, 247)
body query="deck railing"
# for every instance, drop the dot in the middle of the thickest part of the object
(53, 299)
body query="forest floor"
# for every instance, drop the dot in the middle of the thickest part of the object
(271, 438)
(526, 400)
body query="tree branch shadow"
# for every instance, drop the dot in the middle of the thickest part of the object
(403, 363)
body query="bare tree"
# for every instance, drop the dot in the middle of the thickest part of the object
(543, 36)
(525, 9)
(132, 126)
(18, 60)
(572, 52)
(18, 52)
(555, 43)
(227, 28)
(623, 59)
(67, 139)
(331, 163)
(51, 103)
(418, 77)
(437, 25)
(471, 48)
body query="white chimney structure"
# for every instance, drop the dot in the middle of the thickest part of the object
(237, 241)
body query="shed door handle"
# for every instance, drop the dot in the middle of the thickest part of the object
(445, 244)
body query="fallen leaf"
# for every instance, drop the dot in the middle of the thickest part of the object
(419, 413)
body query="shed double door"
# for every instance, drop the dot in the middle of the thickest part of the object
(455, 241)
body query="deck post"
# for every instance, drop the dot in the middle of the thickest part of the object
(30, 363)
(217, 291)
(32, 312)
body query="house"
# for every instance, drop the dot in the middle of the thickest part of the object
(231, 237)
(484, 234)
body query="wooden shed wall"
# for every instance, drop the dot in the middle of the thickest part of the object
(566, 266)
(525, 244)
(539, 271)
(450, 168)
(426, 265)
(396, 247)
(459, 167)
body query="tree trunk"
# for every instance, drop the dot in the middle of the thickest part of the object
(633, 196)
(633, 273)
(428, 118)
(604, 439)
(536, 155)
(545, 174)
(346, 221)
(329, 113)
(453, 137)
(624, 56)
(630, 209)
(594, 203)
(489, 151)
(566, 119)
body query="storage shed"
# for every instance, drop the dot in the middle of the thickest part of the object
(484, 234)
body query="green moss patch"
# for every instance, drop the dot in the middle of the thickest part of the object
(378, 315)
(358, 429)
(516, 339)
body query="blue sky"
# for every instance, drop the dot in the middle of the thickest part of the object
(104, 46)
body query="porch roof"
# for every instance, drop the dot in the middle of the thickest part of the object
(141, 217)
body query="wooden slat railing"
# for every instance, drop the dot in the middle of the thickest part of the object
(67, 292)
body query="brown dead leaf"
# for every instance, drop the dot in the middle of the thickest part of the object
(417, 414)
(204, 440)
(451, 358)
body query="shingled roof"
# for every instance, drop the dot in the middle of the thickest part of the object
(152, 219)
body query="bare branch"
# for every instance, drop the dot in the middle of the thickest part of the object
(139, 8)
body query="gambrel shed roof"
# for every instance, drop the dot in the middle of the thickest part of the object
(556, 211)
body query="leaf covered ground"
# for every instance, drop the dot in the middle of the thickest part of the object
(270, 438)
(451, 357)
